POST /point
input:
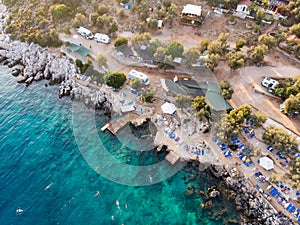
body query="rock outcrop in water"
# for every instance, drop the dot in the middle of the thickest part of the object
(257, 210)
(30, 62)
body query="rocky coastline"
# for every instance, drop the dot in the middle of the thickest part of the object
(256, 210)
(30, 62)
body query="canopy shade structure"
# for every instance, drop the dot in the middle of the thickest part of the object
(81, 50)
(168, 108)
(266, 163)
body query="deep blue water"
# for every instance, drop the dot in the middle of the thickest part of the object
(38, 148)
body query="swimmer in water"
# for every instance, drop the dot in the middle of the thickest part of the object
(97, 194)
(150, 178)
(46, 188)
(112, 218)
(126, 206)
(117, 203)
(19, 210)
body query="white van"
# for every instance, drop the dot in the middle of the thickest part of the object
(85, 33)
(136, 74)
(103, 38)
(269, 83)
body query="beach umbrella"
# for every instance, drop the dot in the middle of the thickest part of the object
(168, 108)
(266, 163)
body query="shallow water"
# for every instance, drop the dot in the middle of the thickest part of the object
(38, 149)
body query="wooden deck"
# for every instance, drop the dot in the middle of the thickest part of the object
(172, 157)
(115, 125)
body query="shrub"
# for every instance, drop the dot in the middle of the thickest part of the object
(121, 41)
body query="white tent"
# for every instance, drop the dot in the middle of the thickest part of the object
(266, 163)
(168, 108)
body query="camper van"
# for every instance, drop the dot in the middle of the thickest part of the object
(85, 33)
(103, 38)
(136, 74)
(269, 83)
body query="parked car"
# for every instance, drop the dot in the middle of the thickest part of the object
(269, 83)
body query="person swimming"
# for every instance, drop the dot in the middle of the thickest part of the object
(126, 206)
(118, 203)
(150, 178)
(19, 211)
(97, 194)
(112, 218)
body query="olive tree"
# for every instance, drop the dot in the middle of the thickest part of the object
(135, 84)
(201, 107)
(101, 60)
(115, 80)
(236, 60)
(191, 56)
(280, 139)
(226, 89)
(182, 101)
(175, 49)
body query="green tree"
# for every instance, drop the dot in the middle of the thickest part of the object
(204, 44)
(240, 43)
(191, 56)
(223, 40)
(292, 104)
(135, 84)
(295, 29)
(79, 20)
(259, 118)
(160, 54)
(182, 101)
(226, 89)
(260, 13)
(236, 60)
(60, 11)
(280, 139)
(226, 127)
(113, 28)
(142, 39)
(101, 60)
(257, 53)
(148, 95)
(201, 107)
(240, 114)
(172, 13)
(295, 171)
(102, 9)
(175, 49)
(121, 41)
(115, 80)
(267, 40)
(153, 46)
(212, 61)
(215, 48)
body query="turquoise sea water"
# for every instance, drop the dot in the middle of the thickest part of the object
(38, 148)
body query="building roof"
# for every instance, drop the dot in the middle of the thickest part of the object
(245, 2)
(194, 88)
(127, 108)
(217, 101)
(81, 50)
(192, 9)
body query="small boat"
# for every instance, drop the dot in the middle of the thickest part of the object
(46, 188)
